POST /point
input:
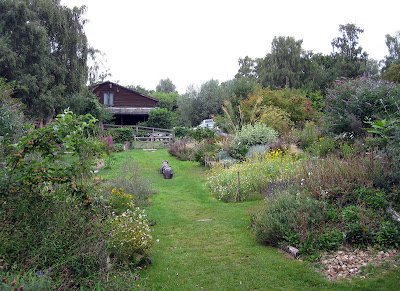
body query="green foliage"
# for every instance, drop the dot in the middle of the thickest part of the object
(61, 239)
(118, 147)
(120, 134)
(285, 65)
(54, 64)
(352, 102)
(202, 133)
(392, 74)
(37, 160)
(322, 147)
(276, 118)
(388, 235)
(11, 118)
(161, 118)
(166, 86)
(198, 104)
(309, 134)
(166, 100)
(85, 102)
(349, 59)
(285, 217)
(295, 103)
(250, 135)
(181, 132)
(393, 45)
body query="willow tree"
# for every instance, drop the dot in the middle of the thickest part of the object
(44, 50)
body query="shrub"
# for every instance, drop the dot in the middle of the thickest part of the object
(351, 102)
(118, 147)
(161, 118)
(250, 135)
(276, 118)
(120, 134)
(202, 133)
(181, 132)
(337, 178)
(295, 103)
(285, 217)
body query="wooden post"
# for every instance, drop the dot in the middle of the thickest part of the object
(152, 140)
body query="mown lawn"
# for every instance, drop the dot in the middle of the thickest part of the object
(205, 244)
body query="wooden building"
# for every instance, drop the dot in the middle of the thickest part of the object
(128, 106)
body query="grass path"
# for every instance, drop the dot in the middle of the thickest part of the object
(205, 244)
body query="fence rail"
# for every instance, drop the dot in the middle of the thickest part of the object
(151, 142)
(138, 128)
(155, 138)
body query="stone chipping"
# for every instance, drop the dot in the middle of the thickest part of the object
(349, 263)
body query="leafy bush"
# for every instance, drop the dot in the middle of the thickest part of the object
(351, 102)
(285, 217)
(120, 134)
(202, 133)
(181, 132)
(161, 118)
(295, 103)
(250, 135)
(118, 147)
(276, 118)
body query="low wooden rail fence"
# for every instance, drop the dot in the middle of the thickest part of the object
(147, 137)
(151, 142)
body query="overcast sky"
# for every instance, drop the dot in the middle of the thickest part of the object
(193, 41)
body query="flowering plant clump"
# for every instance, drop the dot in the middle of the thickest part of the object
(351, 102)
(129, 239)
(247, 179)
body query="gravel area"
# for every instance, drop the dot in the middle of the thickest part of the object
(349, 263)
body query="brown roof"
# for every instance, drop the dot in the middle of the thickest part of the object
(115, 84)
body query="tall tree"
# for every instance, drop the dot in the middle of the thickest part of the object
(393, 45)
(285, 65)
(43, 48)
(166, 86)
(202, 103)
(350, 59)
(247, 68)
(166, 100)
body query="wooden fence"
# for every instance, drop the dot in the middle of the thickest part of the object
(148, 137)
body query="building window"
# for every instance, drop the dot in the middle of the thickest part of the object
(108, 98)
